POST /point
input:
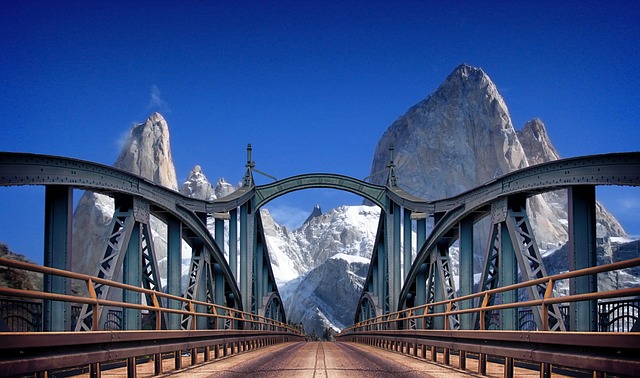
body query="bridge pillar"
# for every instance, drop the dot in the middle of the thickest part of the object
(57, 253)
(233, 242)
(247, 237)
(131, 275)
(466, 270)
(174, 268)
(219, 233)
(219, 297)
(259, 280)
(394, 252)
(508, 275)
(383, 278)
(582, 254)
(439, 295)
(407, 243)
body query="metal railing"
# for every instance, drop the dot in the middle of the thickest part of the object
(611, 350)
(216, 314)
(408, 318)
(20, 316)
(27, 350)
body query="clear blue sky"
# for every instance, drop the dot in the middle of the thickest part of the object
(311, 87)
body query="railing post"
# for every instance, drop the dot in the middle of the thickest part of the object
(157, 364)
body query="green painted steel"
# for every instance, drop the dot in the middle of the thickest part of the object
(174, 268)
(589, 171)
(268, 192)
(131, 275)
(607, 169)
(582, 254)
(466, 269)
(57, 252)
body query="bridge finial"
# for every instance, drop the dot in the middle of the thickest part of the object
(247, 181)
(392, 181)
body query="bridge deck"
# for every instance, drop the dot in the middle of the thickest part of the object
(318, 359)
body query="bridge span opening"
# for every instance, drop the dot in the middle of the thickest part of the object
(230, 301)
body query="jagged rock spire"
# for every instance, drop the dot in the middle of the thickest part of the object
(461, 135)
(147, 152)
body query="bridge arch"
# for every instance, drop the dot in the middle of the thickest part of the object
(371, 192)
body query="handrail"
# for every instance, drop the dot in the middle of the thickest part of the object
(410, 314)
(218, 312)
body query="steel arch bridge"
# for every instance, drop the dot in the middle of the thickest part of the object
(395, 280)
(245, 282)
(407, 304)
(511, 246)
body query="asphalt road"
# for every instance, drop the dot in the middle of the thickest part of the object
(319, 359)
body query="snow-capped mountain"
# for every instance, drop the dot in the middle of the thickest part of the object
(321, 266)
(456, 139)
(347, 229)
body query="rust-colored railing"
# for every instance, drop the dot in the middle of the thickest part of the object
(600, 352)
(216, 312)
(402, 319)
(229, 331)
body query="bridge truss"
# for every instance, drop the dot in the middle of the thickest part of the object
(244, 282)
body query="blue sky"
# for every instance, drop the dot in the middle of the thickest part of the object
(311, 87)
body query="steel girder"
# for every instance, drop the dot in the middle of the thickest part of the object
(367, 308)
(18, 169)
(582, 254)
(129, 254)
(266, 294)
(529, 260)
(512, 245)
(109, 267)
(607, 169)
(57, 253)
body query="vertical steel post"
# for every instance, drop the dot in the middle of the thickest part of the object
(204, 286)
(247, 234)
(57, 252)
(382, 278)
(218, 277)
(233, 243)
(131, 275)
(174, 268)
(508, 275)
(407, 243)
(374, 277)
(582, 254)
(394, 253)
(438, 322)
(421, 232)
(466, 270)
(219, 233)
(259, 276)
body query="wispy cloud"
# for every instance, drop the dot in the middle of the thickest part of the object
(289, 216)
(629, 204)
(156, 102)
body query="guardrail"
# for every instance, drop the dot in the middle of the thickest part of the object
(406, 331)
(229, 331)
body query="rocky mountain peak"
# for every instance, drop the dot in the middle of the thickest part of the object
(316, 212)
(468, 75)
(223, 188)
(197, 185)
(536, 143)
(457, 138)
(147, 152)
